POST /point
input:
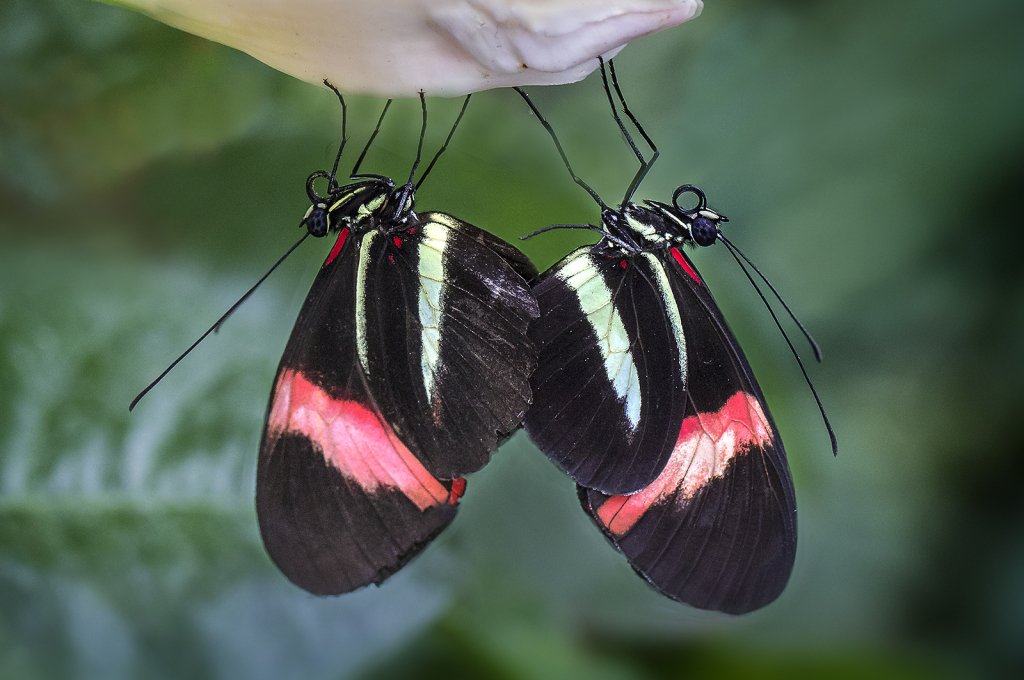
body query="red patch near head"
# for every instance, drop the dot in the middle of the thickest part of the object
(622, 264)
(398, 242)
(706, 444)
(354, 440)
(685, 265)
(410, 230)
(337, 246)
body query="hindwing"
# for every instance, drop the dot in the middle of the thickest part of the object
(717, 529)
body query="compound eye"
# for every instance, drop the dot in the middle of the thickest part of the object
(704, 231)
(317, 222)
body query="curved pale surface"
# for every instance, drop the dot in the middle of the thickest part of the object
(395, 48)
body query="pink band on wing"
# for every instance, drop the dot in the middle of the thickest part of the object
(354, 440)
(706, 444)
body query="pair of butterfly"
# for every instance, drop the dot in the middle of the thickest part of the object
(425, 341)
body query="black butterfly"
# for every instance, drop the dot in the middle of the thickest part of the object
(643, 395)
(409, 360)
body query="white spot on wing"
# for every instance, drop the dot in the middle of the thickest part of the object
(595, 300)
(669, 302)
(432, 286)
(364, 262)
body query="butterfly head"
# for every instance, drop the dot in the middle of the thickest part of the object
(698, 225)
(349, 204)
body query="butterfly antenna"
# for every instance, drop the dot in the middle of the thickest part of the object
(821, 408)
(333, 184)
(807, 334)
(216, 326)
(587, 227)
(553, 227)
(561, 152)
(359, 161)
(445, 145)
(644, 168)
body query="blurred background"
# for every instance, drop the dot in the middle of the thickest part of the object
(866, 155)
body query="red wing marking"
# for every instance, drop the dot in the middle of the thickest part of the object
(458, 488)
(706, 444)
(353, 440)
(685, 265)
(337, 246)
(398, 242)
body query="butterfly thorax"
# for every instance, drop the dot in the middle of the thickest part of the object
(634, 229)
(373, 202)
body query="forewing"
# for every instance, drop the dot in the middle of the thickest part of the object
(508, 252)
(717, 529)
(341, 500)
(609, 389)
(445, 344)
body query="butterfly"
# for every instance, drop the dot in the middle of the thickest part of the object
(644, 397)
(409, 360)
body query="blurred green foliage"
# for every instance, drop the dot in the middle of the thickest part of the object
(868, 156)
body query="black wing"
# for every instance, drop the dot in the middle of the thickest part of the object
(341, 501)
(609, 389)
(446, 351)
(717, 529)
(508, 252)
(360, 434)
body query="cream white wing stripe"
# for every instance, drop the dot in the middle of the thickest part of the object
(364, 265)
(669, 301)
(582, 275)
(432, 289)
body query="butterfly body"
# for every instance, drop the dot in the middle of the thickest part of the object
(643, 395)
(408, 362)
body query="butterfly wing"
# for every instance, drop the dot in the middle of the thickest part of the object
(341, 500)
(446, 350)
(609, 389)
(508, 252)
(717, 529)
(408, 359)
